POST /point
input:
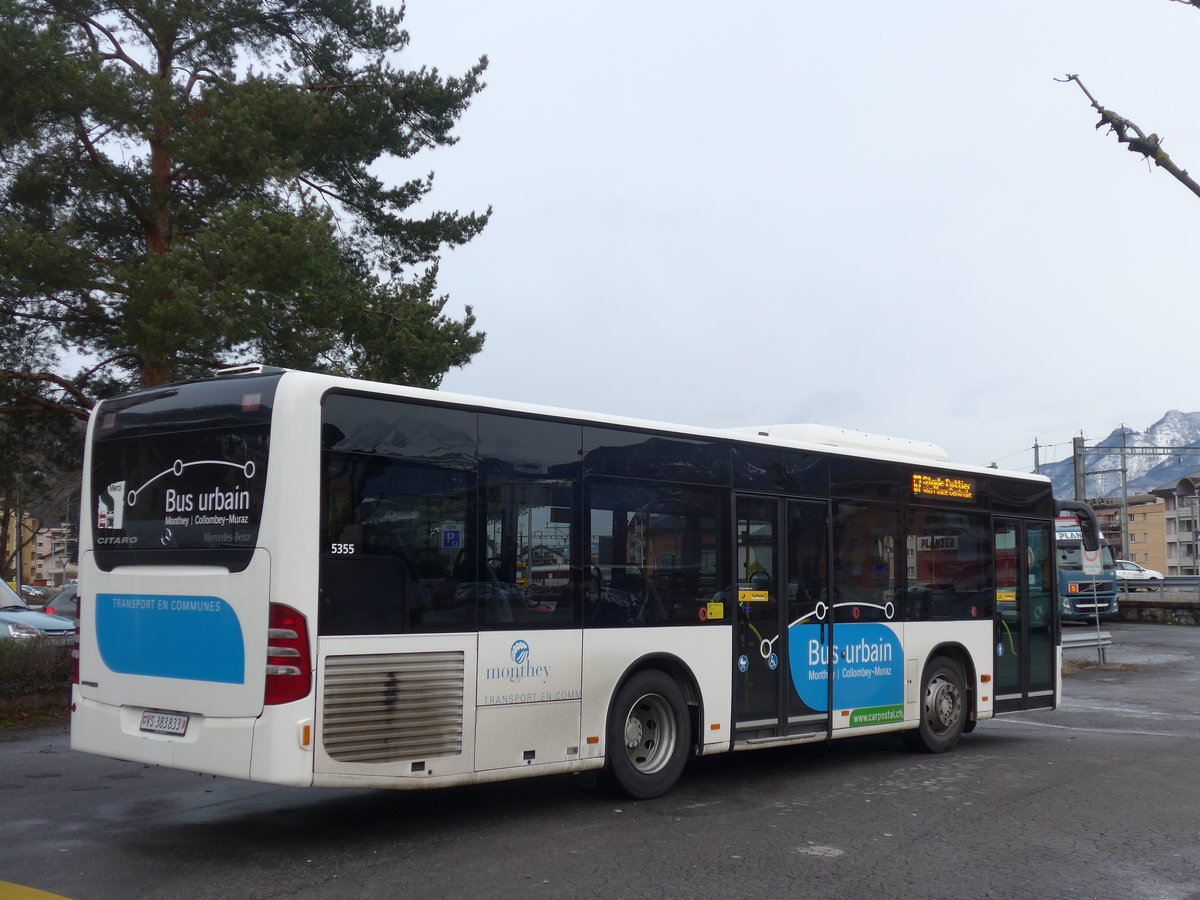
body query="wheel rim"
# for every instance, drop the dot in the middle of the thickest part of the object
(943, 704)
(650, 734)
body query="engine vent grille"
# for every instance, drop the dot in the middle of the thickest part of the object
(392, 706)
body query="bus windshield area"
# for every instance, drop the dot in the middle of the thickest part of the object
(179, 474)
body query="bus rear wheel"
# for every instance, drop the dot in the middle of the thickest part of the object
(648, 735)
(943, 708)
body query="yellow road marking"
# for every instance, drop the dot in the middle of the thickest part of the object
(9, 891)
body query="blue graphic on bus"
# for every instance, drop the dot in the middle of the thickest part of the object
(868, 666)
(197, 638)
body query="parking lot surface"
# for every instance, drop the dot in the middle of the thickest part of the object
(1097, 799)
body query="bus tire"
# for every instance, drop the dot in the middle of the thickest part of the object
(943, 708)
(649, 734)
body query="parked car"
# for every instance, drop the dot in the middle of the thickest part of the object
(19, 622)
(65, 603)
(1137, 577)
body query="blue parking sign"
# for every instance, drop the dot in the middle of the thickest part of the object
(451, 539)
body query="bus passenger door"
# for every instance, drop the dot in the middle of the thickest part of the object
(1025, 616)
(782, 659)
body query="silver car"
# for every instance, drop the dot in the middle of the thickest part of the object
(20, 623)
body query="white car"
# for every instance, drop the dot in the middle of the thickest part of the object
(1138, 577)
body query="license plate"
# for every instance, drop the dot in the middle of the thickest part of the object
(164, 723)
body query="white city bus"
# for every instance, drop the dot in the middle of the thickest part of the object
(308, 580)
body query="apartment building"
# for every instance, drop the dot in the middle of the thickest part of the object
(1181, 501)
(1145, 526)
(52, 565)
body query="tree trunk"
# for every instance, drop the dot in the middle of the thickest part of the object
(155, 369)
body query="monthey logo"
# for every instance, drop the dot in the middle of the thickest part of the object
(522, 669)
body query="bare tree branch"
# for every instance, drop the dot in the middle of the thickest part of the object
(118, 52)
(132, 357)
(98, 162)
(34, 403)
(199, 75)
(1136, 140)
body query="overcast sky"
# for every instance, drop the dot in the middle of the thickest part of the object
(886, 217)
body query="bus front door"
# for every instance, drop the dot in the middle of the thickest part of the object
(1025, 616)
(781, 661)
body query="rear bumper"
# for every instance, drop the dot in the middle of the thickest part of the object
(213, 746)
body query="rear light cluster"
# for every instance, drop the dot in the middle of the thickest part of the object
(289, 664)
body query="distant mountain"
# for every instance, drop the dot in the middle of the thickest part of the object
(1175, 429)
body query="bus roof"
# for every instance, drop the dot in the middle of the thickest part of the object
(848, 439)
(814, 438)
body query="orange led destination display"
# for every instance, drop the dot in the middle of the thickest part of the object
(943, 486)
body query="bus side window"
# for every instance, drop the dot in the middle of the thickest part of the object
(657, 553)
(393, 529)
(364, 595)
(950, 573)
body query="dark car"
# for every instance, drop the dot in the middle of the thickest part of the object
(65, 603)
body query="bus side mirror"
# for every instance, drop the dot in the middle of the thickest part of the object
(1089, 525)
(1091, 533)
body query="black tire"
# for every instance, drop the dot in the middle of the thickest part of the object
(943, 708)
(649, 735)
(1153, 584)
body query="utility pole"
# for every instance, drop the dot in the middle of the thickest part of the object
(1080, 473)
(1124, 500)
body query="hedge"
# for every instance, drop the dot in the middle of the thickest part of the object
(34, 675)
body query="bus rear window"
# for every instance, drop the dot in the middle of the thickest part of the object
(178, 475)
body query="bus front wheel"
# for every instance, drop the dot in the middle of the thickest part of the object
(648, 735)
(943, 708)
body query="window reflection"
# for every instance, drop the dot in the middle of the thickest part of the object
(949, 565)
(394, 546)
(864, 562)
(653, 553)
(526, 575)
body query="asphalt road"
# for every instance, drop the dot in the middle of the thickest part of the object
(1100, 798)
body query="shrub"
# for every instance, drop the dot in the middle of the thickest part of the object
(34, 666)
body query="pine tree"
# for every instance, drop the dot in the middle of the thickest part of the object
(192, 183)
